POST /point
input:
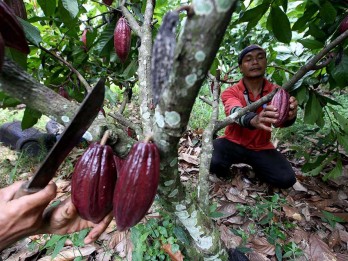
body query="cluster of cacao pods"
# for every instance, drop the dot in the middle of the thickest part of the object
(11, 32)
(281, 101)
(122, 39)
(102, 181)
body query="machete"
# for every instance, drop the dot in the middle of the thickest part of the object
(71, 136)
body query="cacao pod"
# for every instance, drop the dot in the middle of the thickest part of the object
(63, 92)
(343, 25)
(137, 185)
(122, 39)
(93, 182)
(18, 8)
(281, 101)
(84, 39)
(118, 162)
(11, 30)
(2, 51)
(108, 2)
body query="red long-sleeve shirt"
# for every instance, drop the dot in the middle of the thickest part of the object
(252, 139)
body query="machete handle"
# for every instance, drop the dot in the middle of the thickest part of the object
(24, 190)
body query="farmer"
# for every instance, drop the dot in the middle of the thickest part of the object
(249, 139)
(29, 215)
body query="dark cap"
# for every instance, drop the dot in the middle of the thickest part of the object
(247, 50)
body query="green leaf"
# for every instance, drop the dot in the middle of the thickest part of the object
(71, 6)
(181, 235)
(280, 25)
(339, 72)
(17, 56)
(316, 32)
(328, 12)
(313, 109)
(301, 24)
(59, 246)
(342, 121)
(311, 44)
(48, 6)
(105, 43)
(278, 252)
(66, 17)
(336, 172)
(30, 118)
(254, 14)
(214, 66)
(317, 162)
(131, 69)
(31, 32)
(343, 141)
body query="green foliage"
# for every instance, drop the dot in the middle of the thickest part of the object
(331, 219)
(268, 220)
(148, 238)
(55, 243)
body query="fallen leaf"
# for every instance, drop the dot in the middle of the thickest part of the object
(234, 198)
(343, 236)
(177, 256)
(319, 250)
(227, 209)
(342, 257)
(299, 187)
(230, 239)
(189, 158)
(299, 235)
(261, 245)
(333, 238)
(237, 220)
(291, 212)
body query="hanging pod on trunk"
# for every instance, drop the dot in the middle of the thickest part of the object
(93, 182)
(137, 184)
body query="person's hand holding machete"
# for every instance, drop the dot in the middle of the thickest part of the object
(23, 205)
(29, 215)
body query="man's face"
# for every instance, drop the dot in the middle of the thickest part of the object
(254, 64)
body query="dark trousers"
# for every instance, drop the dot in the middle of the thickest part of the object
(269, 165)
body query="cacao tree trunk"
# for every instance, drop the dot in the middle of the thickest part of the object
(196, 49)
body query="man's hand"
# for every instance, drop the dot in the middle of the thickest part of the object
(293, 108)
(29, 215)
(265, 118)
(22, 216)
(64, 219)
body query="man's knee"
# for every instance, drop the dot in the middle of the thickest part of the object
(218, 168)
(286, 181)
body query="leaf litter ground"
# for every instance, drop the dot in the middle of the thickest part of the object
(306, 222)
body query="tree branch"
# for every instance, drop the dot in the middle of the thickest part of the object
(78, 74)
(207, 147)
(297, 76)
(131, 21)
